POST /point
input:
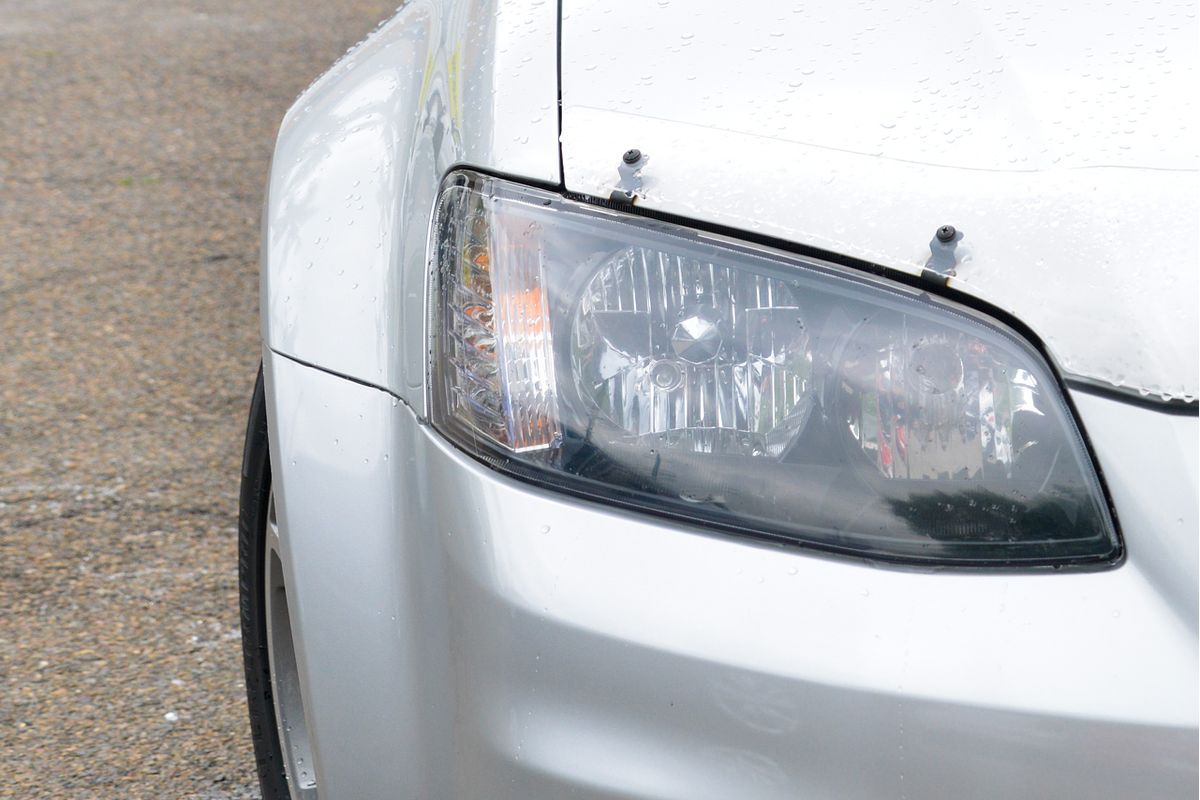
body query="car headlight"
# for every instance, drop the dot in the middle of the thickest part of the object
(639, 362)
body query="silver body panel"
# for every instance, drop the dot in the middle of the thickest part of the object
(358, 163)
(461, 635)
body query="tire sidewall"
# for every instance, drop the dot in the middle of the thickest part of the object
(252, 522)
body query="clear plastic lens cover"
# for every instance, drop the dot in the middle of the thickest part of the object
(639, 362)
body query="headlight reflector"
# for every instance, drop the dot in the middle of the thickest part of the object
(705, 359)
(637, 362)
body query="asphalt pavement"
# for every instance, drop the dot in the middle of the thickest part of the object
(134, 143)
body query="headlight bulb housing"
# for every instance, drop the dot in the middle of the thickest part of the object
(636, 362)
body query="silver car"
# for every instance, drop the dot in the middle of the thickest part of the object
(677, 401)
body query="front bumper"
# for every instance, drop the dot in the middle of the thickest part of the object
(460, 634)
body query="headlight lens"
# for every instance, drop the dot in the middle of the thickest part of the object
(635, 361)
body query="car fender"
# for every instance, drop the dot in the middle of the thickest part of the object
(357, 164)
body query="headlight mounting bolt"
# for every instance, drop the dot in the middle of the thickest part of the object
(629, 184)
(943, 260)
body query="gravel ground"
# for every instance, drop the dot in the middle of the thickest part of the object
(134, 141)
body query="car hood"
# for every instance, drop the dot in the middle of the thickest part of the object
(1062, 144)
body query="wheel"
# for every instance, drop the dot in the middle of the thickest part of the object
(277, 722)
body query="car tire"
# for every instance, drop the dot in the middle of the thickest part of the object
(252, 552)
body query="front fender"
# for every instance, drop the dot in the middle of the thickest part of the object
(357, 165)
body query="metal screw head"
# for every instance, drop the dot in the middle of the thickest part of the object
(632, 156)
(946, 234)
